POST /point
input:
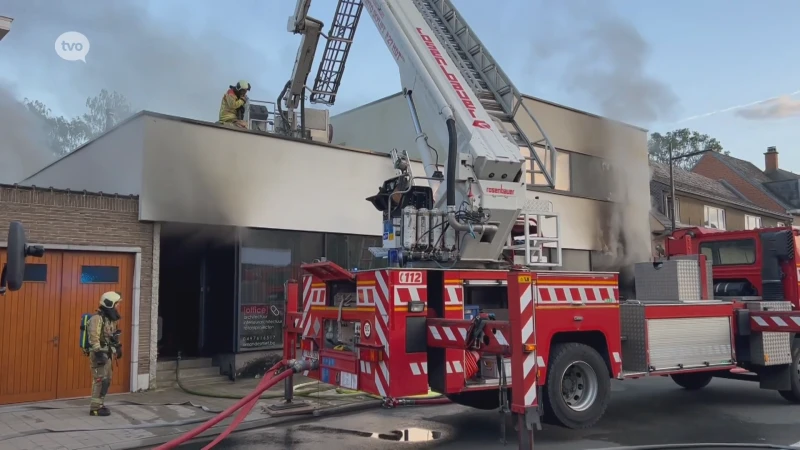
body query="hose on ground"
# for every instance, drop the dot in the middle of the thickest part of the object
(299, 390)
(270, 379)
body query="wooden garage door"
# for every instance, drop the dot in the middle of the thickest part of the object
(29, 333)
(45, 360)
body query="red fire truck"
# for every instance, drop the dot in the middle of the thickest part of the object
(719, 301)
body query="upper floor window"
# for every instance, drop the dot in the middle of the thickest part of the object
(668, 207)
(535, 176)
(752, 222)
(780, 224)
(713, 217)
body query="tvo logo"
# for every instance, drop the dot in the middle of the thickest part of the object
(72, 46)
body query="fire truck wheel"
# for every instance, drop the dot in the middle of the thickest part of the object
(793, 395)
(578, 387)
(692, 381)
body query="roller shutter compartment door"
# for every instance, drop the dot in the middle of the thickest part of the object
(85, 277)
(30, 332)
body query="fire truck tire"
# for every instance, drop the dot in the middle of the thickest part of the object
(692, 381)
(793, 395)
(578, 387)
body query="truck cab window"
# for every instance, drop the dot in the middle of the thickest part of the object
(730, 252)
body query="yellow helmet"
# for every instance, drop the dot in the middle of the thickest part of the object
(110, 299)
(242, 85)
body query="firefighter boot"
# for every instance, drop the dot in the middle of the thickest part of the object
(101, 412)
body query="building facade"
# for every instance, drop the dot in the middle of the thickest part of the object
(94, 243)
(703, 202)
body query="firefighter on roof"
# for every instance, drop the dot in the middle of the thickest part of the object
(231, 110)
(103, 347)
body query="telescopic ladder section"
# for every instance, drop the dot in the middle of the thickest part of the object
(337, 48)
(496, 92)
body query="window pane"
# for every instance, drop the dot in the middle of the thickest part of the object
(352, 251)
(34, 273)
(268, 259)
(740, 251)
(99, 274)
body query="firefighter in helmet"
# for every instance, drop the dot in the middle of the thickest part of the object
(104, 347)
(231, 110)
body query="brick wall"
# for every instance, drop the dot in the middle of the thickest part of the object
(717, 170)
(76, 218)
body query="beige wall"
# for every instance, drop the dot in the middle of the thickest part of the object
(386, 124)
(691, 212)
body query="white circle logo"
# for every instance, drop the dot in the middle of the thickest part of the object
(367, 329)
(72, 46)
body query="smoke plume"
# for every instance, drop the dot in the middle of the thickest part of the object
(23, 149)
(603, 58)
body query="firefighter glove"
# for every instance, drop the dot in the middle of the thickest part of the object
(118, 350)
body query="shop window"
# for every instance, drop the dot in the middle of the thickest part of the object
(34, 273)
(269, 258)
(99, 274)
(352, 251)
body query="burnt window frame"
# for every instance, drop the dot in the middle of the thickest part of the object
(715, 250)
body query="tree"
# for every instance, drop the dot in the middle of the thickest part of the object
(684, 141)
(66, 134)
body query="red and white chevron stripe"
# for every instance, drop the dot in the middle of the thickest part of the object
(578, 294)
(787, 321)
(367, 295)
(449, 334)
(382, 304)
(418, 369)
(404, 293)
(528, 337)
(454, 295)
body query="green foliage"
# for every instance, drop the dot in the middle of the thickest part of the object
(64, 135)
(684, 141)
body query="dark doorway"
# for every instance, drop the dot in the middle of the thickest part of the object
(197, 290)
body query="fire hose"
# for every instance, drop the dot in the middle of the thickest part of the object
(274, 376)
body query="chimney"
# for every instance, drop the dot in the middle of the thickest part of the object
(771, 159)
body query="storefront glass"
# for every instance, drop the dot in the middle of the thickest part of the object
(271, 257)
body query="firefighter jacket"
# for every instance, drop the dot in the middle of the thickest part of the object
(100, 333)
(229, 107)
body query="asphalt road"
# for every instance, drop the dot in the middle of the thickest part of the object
(649, 411)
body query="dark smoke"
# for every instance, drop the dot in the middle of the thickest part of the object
(603, 58)
(23, 148)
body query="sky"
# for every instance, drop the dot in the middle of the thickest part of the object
(652, 64)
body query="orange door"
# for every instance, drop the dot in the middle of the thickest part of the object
(85, 277)
(30, 337)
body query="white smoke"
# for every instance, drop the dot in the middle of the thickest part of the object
(23, 148)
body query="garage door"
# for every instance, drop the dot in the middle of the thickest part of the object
(39, 354)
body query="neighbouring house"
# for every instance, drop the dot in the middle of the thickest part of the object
(772, 188)
(702, 201)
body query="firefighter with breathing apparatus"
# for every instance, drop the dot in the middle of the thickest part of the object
(102, 346)
(231, 110)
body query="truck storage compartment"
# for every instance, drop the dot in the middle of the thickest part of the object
(669, 337)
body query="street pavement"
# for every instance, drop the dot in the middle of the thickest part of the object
(648, 411)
